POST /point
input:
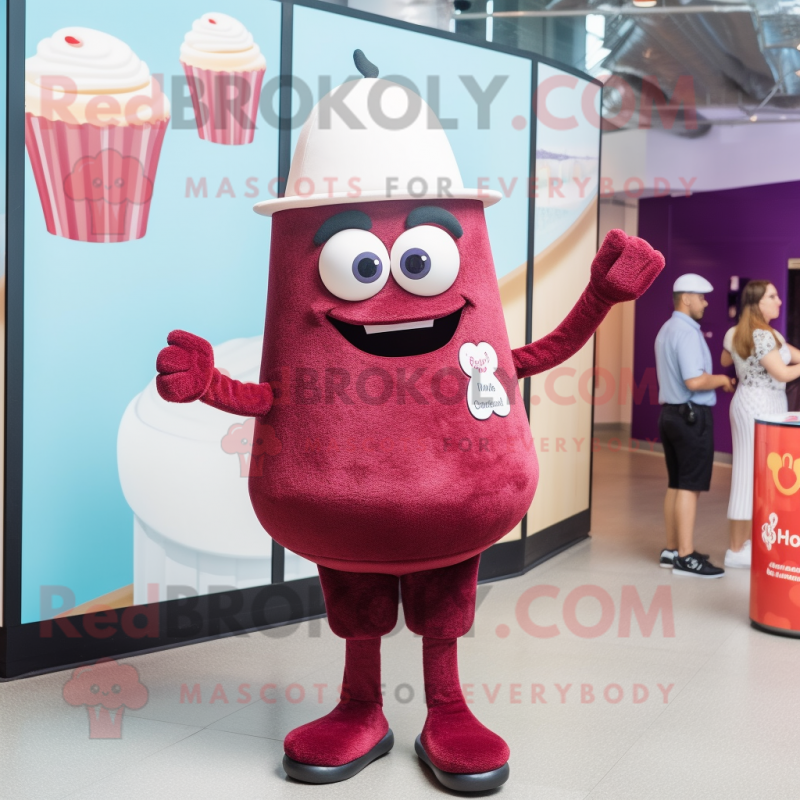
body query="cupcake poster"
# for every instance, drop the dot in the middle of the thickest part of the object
(225, 69)
(133, 149)
(95, 120)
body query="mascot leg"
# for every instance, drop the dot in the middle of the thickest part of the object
(464, 755)
(361, 607)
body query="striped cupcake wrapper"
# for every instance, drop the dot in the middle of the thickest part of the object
(225, 103)
(95, 182)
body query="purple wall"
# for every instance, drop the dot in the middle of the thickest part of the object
(749, 232)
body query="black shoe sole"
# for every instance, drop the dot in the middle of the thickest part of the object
(309, 773)
(466, 782)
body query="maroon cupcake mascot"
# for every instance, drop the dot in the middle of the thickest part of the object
(385, 344)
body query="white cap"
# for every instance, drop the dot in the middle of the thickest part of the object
(690, 282)
(384, 161)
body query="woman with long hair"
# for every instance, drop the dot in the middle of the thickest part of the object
(764, 363)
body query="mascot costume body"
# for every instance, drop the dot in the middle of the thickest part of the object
(384, 326)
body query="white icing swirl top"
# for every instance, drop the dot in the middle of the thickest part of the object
(219, 42)
(97, 62)
(81, 75)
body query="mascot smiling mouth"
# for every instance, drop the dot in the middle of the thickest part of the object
(402, 339)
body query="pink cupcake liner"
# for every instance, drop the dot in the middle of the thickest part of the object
(221, 117)
(95, 182)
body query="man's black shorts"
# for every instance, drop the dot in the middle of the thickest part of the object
(689, 449)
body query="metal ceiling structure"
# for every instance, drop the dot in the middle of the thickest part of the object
(740, 58)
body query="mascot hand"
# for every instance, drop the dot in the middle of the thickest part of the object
(185, 368)
(624, 267)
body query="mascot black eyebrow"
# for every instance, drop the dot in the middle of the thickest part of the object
(389, 303)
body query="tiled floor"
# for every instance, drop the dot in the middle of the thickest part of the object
(707, 712)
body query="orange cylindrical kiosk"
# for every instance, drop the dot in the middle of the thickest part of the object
(775, 570)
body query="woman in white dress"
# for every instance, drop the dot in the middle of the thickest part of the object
(764, 364)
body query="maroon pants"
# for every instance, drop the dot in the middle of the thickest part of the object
(437, 603)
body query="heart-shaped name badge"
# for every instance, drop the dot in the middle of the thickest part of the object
(485, 393)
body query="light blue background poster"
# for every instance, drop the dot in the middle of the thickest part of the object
(96, 315)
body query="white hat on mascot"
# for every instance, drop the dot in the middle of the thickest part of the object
(393, 145)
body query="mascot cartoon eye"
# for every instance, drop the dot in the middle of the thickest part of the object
(425, 260)
(354, 265)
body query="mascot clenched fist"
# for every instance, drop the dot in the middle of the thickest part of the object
(384, 325)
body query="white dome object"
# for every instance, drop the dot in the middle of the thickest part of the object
(390, 146)
(194, 524)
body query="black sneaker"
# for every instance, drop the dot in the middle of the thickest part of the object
(694, 564)
(668, 557)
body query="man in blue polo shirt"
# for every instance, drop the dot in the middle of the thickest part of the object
(687, 393)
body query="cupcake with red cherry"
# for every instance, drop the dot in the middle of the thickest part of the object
(225, 69)
(95, 119)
